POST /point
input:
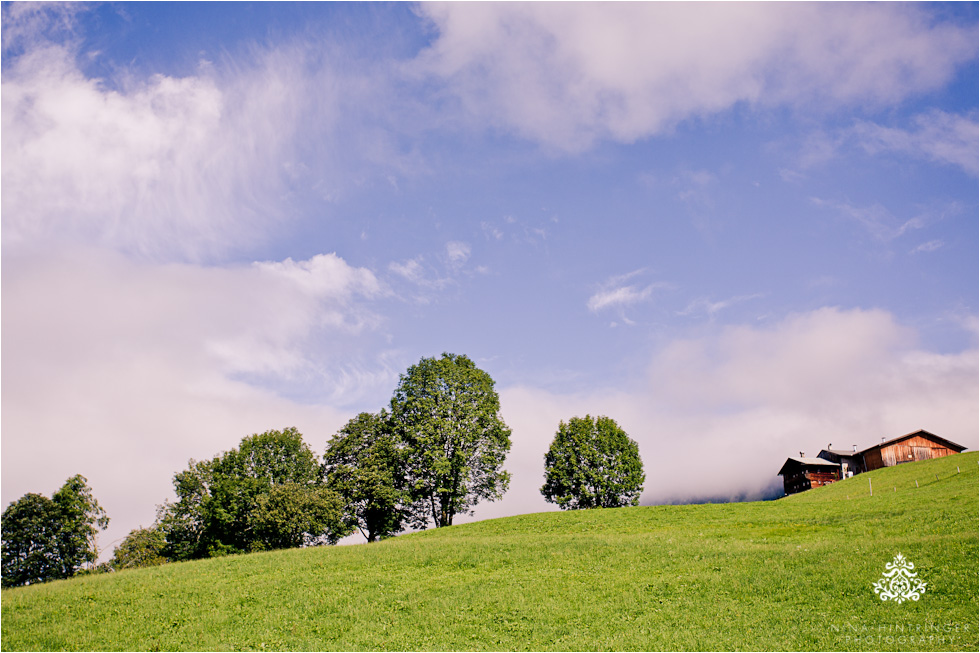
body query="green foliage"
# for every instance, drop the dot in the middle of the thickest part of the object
(592, 463)
(47, 539)
(215, 512)
(292, 515)
(365, 463)
(446, 412)
(184, 523)
(794, 574)
(143, 547)
(30, 541)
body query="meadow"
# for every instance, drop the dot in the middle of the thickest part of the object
(791, 574)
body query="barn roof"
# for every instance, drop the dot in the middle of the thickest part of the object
(843, 452)
(921, 433)
(805, 462)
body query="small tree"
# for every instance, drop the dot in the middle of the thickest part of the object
(47, 539)
(293, 515)
(143, 547)
(81, 520)
(365, 464)
(592, 463)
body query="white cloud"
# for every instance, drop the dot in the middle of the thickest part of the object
(324, 275)
(742, 398)
(196, 167)
(166, 167)
(568, 74)
(123, 370)
(458, 252)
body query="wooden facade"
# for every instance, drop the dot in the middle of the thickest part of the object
(800, 474)
(920, 445)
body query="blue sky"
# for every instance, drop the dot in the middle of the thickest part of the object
(740, 230)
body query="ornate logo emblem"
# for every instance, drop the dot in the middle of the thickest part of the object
(899, 583)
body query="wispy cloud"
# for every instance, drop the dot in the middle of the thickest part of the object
(929, 246)
(195, 167)
(711, 308)
(937, 136)
(616, 292)
(623, 296)
(878, 221)
(457, 252)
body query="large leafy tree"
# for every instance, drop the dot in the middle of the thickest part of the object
(217, 500)
(47, 539)
(592, 463)
(366, 464)
(446, 411)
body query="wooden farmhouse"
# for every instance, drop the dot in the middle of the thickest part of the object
(830, 465)
(803, 473)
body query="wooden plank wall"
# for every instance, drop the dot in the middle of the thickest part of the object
(822, 478)
(916, 448)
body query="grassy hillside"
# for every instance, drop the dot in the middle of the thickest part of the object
(793, 574)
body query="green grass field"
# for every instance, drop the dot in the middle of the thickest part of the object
(792, 574)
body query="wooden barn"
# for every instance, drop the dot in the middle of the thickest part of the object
(830, 465)
(919, 445)
(803, 473)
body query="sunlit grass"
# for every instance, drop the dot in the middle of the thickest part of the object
(794, 574)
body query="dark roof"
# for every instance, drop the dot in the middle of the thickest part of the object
(805, 462)
(922, 433)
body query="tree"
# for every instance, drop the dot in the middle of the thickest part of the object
(184, 522)
(48, 539)
(365, 463)
(81, 520)
(592, 463)
(143, 547)
(30, 544)
(293, 515)
(215, 511)
(446, 412)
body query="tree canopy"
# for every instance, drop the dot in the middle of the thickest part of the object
(446, 412)
(266, 493)
(365, 463)
(143, 547)
(48, 539)
(592, 463)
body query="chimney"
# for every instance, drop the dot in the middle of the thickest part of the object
(830, 446)
(855, 448)
(883, 439)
